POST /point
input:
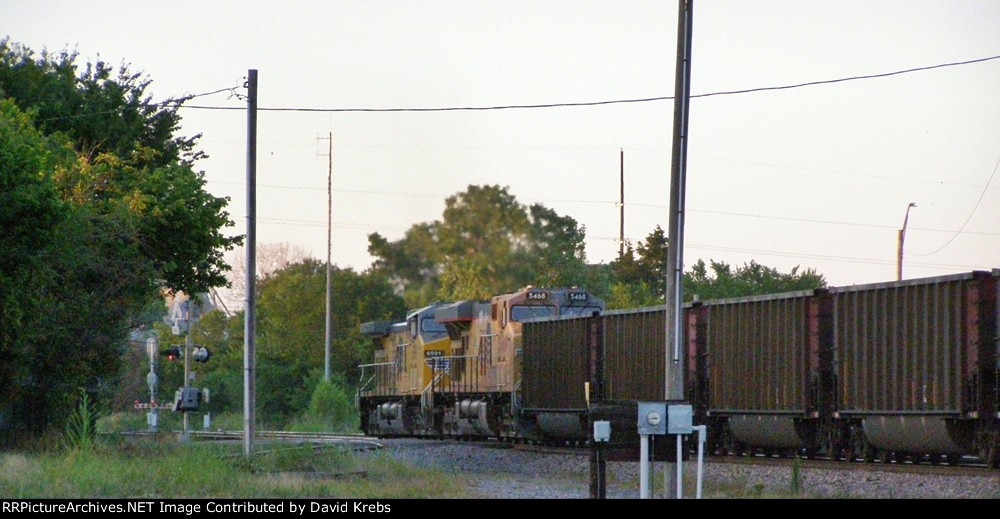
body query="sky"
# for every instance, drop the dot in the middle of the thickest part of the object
(818, 176)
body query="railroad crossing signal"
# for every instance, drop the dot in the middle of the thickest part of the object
(172, 353)
(198, 354)
(201, 354)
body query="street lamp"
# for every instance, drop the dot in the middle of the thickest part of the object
(899, 249)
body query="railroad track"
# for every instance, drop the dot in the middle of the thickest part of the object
(353, 442)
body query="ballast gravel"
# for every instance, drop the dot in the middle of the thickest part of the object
(503, 472)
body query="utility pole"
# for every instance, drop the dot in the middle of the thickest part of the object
(621, 205)
(188, 341)
(249, 328)
(329, 226)
(674, 385)
(674, 354)
(899, 244)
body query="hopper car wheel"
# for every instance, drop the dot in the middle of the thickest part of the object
(990, 454)
(884, 456)
(850, 454)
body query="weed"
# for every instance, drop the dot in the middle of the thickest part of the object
(81, 427)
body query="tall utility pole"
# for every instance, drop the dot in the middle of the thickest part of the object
(674, 332)
(674, 383)
(329, 226)
(250, 324)
(621, 205)
(899, 244)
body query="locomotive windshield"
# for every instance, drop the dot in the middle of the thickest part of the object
(429, 325)
(519, 313)
(579, 310)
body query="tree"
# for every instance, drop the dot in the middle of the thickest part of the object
(270, 258)
(291, 326)
(129, 161)
(750, 279)
(101, 208)
(71, 284)
(485, 244)
(99, 111)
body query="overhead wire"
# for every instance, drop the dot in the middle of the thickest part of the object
(605, 102)
(960, 229)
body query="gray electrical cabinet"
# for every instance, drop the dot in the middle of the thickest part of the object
(679, 419)
(652, 418)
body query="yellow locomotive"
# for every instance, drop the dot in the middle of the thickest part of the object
(455, 369)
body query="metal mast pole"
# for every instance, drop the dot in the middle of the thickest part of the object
(621, 205)
(249, 338)
(329, 225)
(674, 369)
(674, 334)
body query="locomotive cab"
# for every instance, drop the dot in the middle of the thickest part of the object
(393, 393)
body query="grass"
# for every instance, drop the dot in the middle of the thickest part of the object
(163, 468)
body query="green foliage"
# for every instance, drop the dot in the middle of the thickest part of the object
(291, 330)
(99, 206)
(162, 469)
(641, 275)
(485, 244)
(750, 279)
(331, 409)
(81, 428)
(632, 296)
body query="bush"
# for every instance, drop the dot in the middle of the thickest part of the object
(330, 409)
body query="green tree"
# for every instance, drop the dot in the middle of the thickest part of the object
(100, 110)
(101, 209)
(130, 165)
(485, 244)
(291, 326)
(751, 279)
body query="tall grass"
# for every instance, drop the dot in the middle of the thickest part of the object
(81, 427)
(162, 468)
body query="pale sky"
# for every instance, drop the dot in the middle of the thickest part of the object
(818, 176)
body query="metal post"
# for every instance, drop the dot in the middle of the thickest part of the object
(188, 341)
(702, 430)
(674, 363)
(621, 217)
(899, 244)
(329, 225)
(152, 381)
(643, 466)
(249, 339)
(680, 465)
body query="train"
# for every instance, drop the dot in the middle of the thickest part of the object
(454, 369)
(900, 370)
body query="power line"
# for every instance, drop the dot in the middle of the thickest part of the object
(960, 229)
(600, 103)
(163, 104)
